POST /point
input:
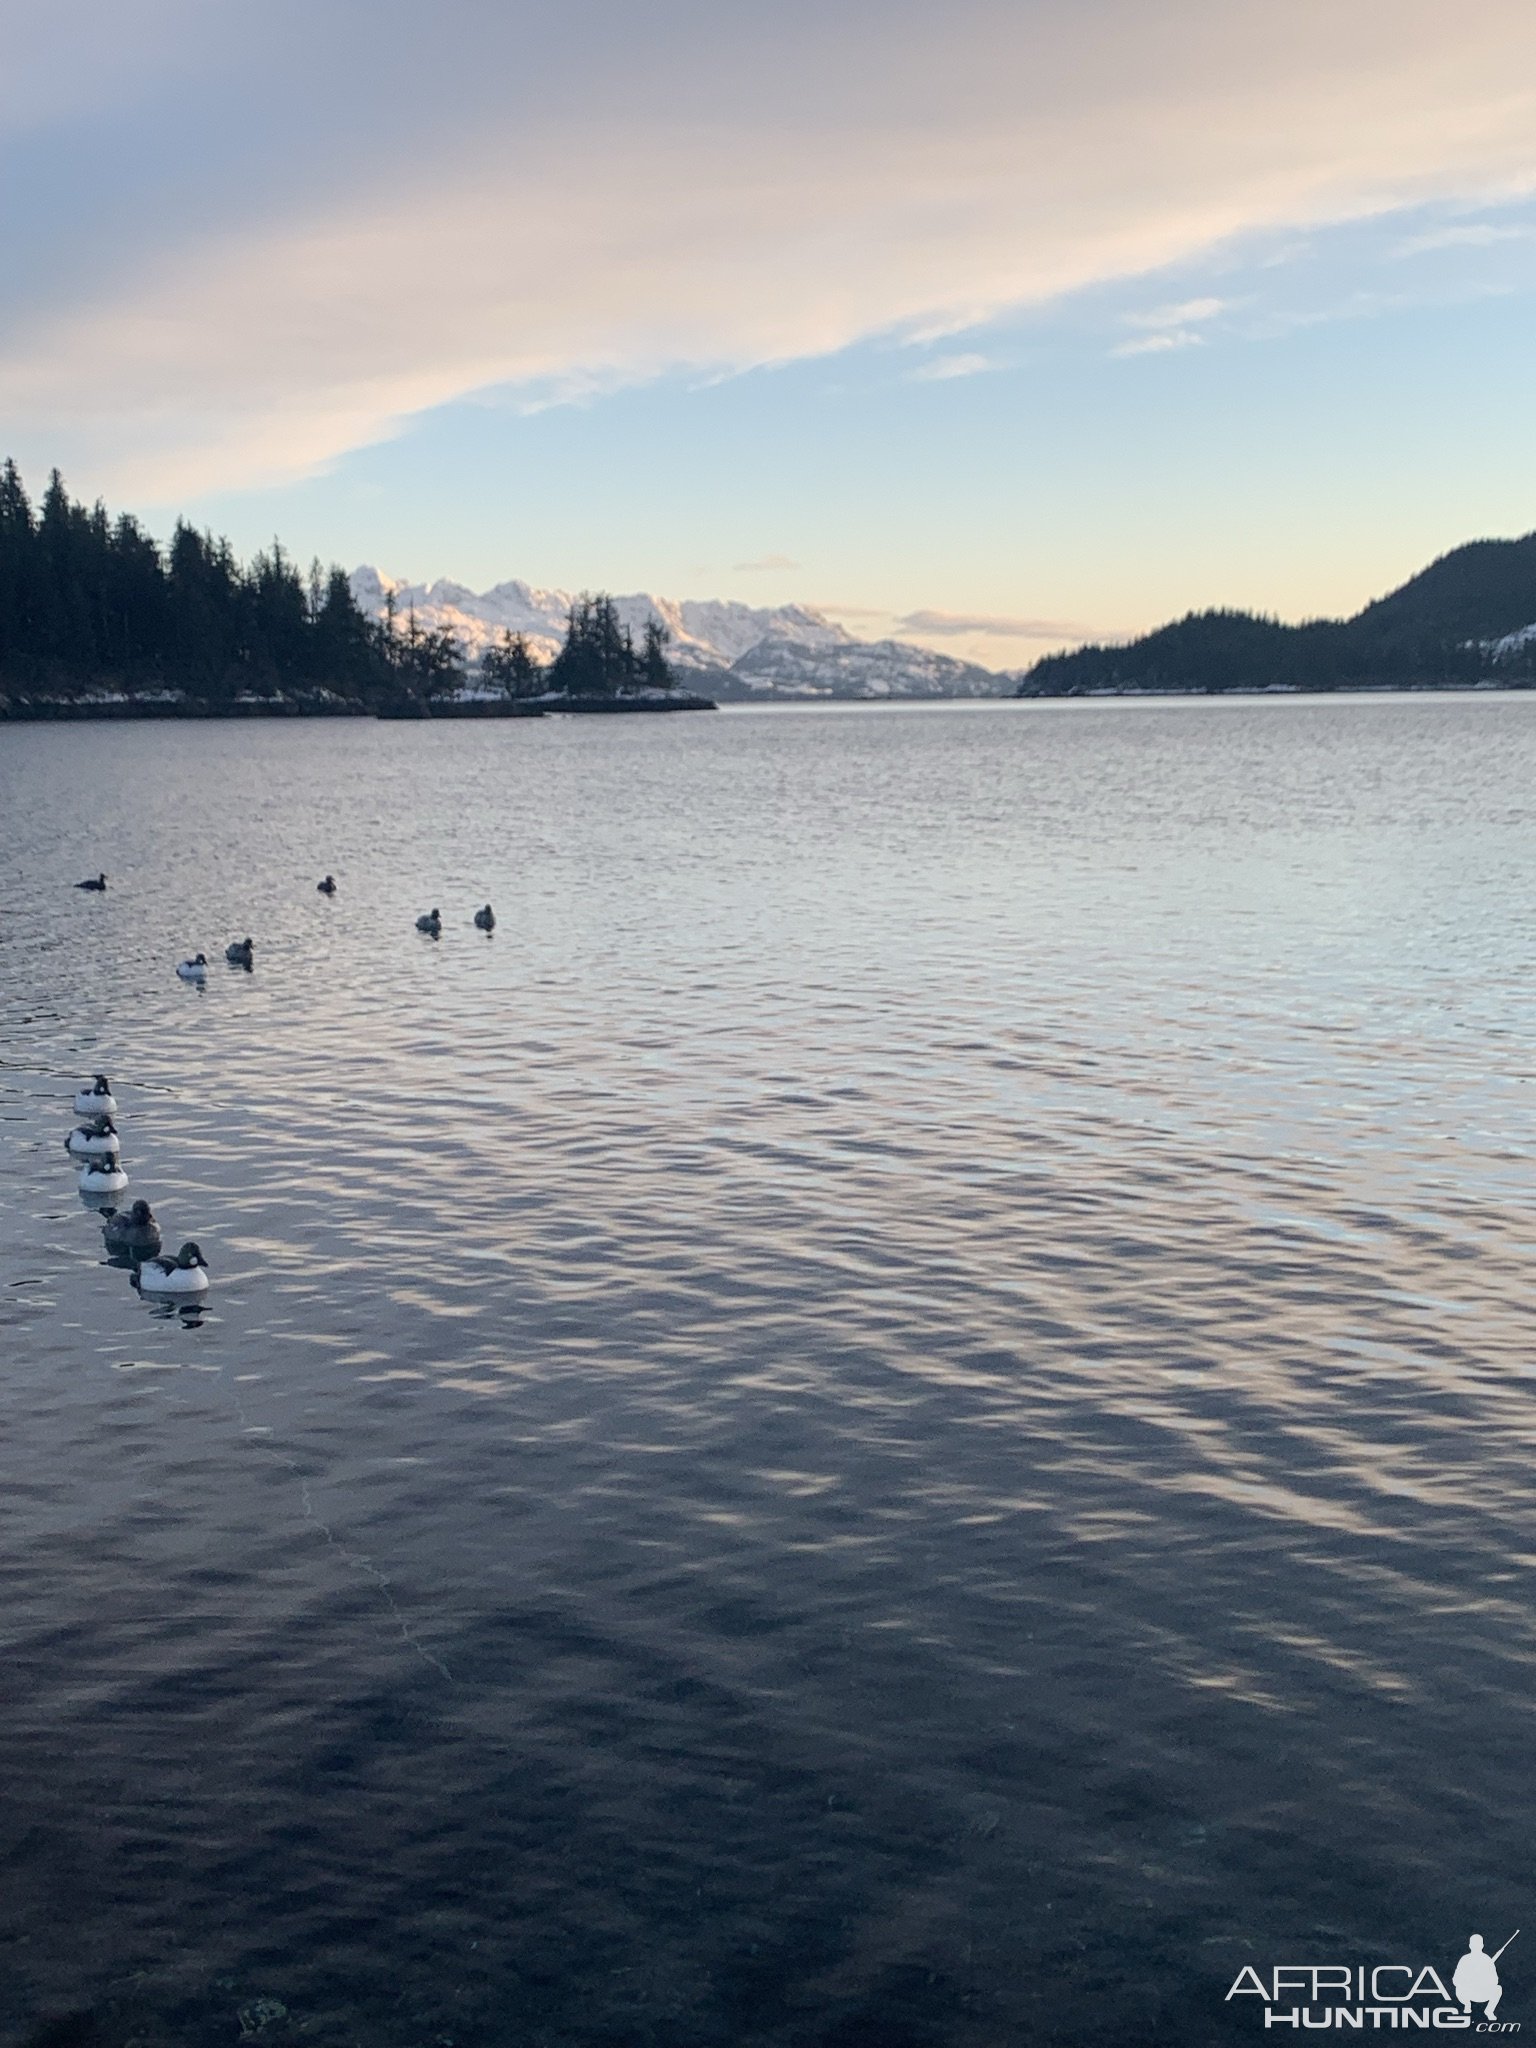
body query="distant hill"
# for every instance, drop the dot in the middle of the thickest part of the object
(1469, 618)
(865, 669)
(1483, 591)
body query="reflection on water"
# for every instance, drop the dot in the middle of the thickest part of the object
(903, 1418)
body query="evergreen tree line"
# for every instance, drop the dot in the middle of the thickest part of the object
(599, 658)
(1224, 650)
(1440, 628)
(91, 603)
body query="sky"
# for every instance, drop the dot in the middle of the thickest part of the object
(991, 326)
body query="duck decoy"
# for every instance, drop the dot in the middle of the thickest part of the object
(486, 919)
(97, 1099)
(132, 1233)
(98, 885)
(103, 1176)
(195, 969)
(328, 886)
(97, 1139)
(432, 922)
(239, 953)
(187, 1273)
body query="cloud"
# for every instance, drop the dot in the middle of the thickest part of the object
(764, 564)
(1159, 344)
(81, 59)
(938, 624)
(1470, 235)
(589, 196)
(942, 368)
(1169, 327)
(1177, 316)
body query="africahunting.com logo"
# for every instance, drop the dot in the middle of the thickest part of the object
(1355, 1997)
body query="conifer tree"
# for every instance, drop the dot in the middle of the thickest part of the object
(18, 536)
(342, 653)
(598, 658)
(509, 666)
(655, 670)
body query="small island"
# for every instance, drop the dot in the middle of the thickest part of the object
(97, 620)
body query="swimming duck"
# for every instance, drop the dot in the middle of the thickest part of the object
(97, 1139)
(132, 1231)
(239, 954)
(99, 885)
(97, 1099)
(187, 1273)
(328, 886)
(486, 919)
(103, 1176)
(193, 970)
(432, 922)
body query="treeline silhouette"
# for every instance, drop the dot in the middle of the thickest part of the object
(91, 607)
(1440, 629)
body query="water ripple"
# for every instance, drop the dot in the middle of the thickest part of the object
(912, 1395)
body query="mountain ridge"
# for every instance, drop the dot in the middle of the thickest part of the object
(738, 651)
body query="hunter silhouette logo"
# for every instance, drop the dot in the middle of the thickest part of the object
(1476, 1981)
(1365, 1997)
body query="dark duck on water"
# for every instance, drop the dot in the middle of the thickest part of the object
(132, 1233)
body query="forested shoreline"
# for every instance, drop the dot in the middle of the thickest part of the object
(1468, 620)
(97, 619)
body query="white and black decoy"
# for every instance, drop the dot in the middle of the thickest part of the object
(103, 1176)
(187, 1273)
(96, 1100)
(97, 1139)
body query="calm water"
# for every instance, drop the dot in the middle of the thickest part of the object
(901, 1416)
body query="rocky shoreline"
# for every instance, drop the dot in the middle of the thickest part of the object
(20, 710)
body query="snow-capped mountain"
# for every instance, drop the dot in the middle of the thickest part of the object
(709, 634)
(736, 650)
(780, 667)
